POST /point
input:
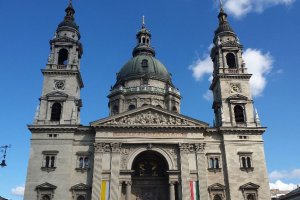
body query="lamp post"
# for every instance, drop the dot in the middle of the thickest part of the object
(3, 164)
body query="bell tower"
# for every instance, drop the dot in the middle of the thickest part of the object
(60, 102)
(233, 103)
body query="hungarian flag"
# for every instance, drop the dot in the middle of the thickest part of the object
(194, 188)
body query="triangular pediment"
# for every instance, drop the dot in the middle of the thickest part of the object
(46, 186)
(80, 186)
(149, 116)
(237, 97)
(249, 186)
(57, 94)
(217, 186)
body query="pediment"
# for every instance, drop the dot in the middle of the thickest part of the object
(80, 186)
(217, 186)
(57, 94)
(46, 186)
(149, 116)
(249, 186)
(237, 97)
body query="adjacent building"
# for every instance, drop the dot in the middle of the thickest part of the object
(145, 149)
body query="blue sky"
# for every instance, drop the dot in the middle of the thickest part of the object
(182, 33)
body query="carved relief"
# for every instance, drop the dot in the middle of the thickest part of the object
(186, 147)
(102, 147)
(149, 118)
(116, 147)
(200, 147)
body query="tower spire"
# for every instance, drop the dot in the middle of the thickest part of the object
(143, 21)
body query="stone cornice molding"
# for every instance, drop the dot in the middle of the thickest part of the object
(52, 128)
(64, 72)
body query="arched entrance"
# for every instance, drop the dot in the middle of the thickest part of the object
(150, 178)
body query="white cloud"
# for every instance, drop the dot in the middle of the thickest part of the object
(294, 174)
(239, 8)
(208, 95)
(18, 191)
(282, 186)
(259, 65)
(201, 67)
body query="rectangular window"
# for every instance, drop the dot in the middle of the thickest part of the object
(83, 160)
(246, 163)
(49, 160)
(214, 161)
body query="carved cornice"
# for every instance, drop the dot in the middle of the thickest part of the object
(65, 72)
(52, 128)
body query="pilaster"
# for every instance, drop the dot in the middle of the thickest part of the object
(202, 170)
(184, 167)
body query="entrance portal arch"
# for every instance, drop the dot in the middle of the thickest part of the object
(150, 178)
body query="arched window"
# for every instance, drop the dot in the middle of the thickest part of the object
(131, 107)
(81, 162)
(244, 165)
(144, 40)
(211, 163)
(174, 109)
(249, 165)
(217, 197)
(52, 161)
(86, 162)
(63, 55)
(230, 58)
(217, 166)
(46, 197)
(80, 197)
(47, 164)
(56, 112)
(148, 41)
(250, 197)
(158, 106)
(144, 63)
(239, 114)
(115, 110)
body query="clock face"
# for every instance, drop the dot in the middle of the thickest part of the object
(235, 88)
(59, 85)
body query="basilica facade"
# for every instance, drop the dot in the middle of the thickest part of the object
(145, 149)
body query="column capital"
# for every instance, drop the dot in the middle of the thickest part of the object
(116, 147)
(100, 147)
(200, 147)
(186, 147)
(128, 183)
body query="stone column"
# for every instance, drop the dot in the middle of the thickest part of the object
(185, 171)
(172, 190)
(202, 170)
(128, 190)
(99, 149)
(120, 190)
(115, 170)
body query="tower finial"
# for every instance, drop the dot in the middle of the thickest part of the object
(143, 21)
(221, 4)
(70, 2)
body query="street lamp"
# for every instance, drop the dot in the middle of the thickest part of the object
(3, 163)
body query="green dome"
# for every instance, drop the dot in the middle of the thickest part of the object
(144, 65)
